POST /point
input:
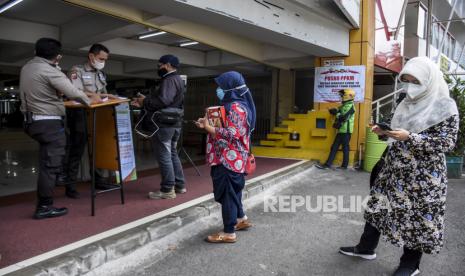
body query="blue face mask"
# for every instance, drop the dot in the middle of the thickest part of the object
(220, 93)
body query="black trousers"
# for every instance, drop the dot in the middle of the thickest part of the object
(76, 137)
(76, 141)
(50, 134)
(344, 140)
(369, 241)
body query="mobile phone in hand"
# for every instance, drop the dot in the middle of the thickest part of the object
(384, 126)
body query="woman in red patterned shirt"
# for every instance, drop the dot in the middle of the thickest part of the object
(227, 152)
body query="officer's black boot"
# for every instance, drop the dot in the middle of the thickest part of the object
(71, 191)
(45, 209)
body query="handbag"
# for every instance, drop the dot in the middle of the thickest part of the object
(169, 116)
(250, 165)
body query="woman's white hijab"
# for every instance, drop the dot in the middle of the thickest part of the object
(431, 107)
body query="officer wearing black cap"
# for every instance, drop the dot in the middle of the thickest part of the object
(42, 85)
(167, 99)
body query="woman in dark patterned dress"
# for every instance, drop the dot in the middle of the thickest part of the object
(227, 152)
(408, 196)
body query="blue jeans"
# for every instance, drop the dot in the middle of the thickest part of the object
(165, 142)
(344, 140)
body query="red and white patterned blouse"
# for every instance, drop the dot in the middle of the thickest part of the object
(230, 146)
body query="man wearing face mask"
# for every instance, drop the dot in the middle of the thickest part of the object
(89, 77)
(167, 104)
(42, 85)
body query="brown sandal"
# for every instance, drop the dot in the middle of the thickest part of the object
(220, 238)
(242, 225)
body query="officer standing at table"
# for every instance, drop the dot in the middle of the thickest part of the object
(89, 77)
(42, 85)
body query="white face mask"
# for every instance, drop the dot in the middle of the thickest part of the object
(98, 65)
(414, 90)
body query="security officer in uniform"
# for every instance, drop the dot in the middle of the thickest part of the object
(91, 78)
(42, 85)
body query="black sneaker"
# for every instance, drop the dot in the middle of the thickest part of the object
(405, 271)
(353, 251)
(322, 167)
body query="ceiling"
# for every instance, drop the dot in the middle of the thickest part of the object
(78, 28)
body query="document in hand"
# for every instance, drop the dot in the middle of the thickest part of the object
(216, 116)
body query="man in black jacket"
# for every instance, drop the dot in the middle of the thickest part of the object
(167, 104)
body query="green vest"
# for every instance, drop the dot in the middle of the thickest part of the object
(347, 126)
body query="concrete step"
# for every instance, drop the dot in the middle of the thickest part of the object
(274, 136)
(282, 129)
(271, 143)
(299, 116)
(288, 122)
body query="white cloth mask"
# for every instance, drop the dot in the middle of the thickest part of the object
(414, 90)
(98, 65)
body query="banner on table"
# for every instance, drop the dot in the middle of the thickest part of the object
(329, 80)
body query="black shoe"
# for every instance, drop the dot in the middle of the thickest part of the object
(405, 271)
(353, 251)
(322, 167)
(72, 194)
(49, 212)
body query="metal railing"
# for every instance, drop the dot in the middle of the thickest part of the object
(385, 101)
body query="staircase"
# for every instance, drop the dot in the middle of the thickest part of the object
(315, 138)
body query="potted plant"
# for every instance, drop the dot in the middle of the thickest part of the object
(455, 157)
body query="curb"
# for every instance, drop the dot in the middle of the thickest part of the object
(86, 258)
